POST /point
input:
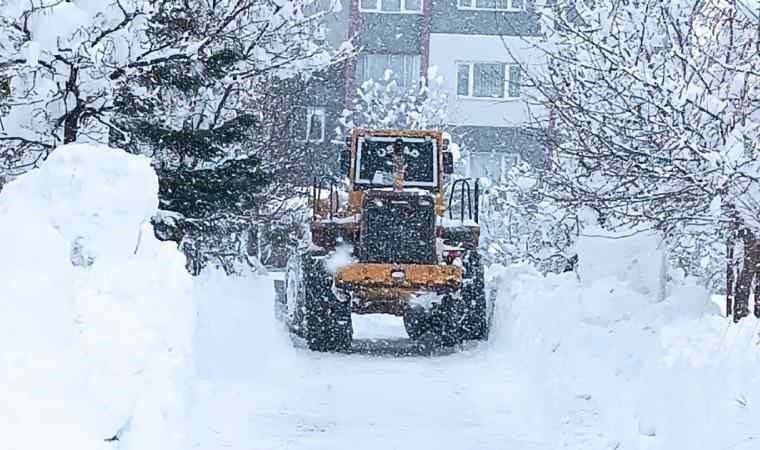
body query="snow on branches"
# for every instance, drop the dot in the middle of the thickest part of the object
(64, 62)
(656, 120)
(656, 107)
(521, 224)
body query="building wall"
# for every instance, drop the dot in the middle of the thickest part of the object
(389, 33)
(446, 50)
(525, 142)
(326, 90)
(447, 18)
(336, 22)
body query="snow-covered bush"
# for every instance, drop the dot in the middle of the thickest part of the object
(237, 244)
(700, 252)
(386, 104)
(96, 314)
(221, 243)
(519, 223)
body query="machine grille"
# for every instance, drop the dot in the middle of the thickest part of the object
(398, 227)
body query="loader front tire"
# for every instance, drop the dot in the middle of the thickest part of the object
(416, 321)
(443, 327)
(326, 319)
(434, 327)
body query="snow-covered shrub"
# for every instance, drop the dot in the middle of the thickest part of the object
(96, 314)
(386, 104)
(520, 223)
(237, 244)
(276, 238)
(221, 243)
(700, 252)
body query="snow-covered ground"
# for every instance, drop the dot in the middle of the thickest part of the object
(104, 335)
(615, 361)
(256, 391)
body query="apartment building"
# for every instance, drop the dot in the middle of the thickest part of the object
(478, 46)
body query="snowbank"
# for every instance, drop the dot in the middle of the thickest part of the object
(633, 257)
(236, 321)
(96, 317)
(622, 368)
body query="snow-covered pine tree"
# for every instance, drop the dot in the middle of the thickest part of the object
(656, 112)
(217, 124)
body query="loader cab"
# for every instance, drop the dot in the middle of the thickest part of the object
(368, 160)
(375, 160)
(370, 201)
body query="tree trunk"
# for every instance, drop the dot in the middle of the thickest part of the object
(730, 272)
(71, 127)
(748, 273)
(71, 120)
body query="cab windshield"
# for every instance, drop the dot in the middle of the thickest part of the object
(375, 161)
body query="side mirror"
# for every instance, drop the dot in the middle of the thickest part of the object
(448, 163)
(345, 162)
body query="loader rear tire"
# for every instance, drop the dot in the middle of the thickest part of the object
(326, 319)
(474, 323)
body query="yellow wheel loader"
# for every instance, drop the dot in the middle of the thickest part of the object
(391, 240)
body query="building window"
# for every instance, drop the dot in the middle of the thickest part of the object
(491, 165)
(492, 5)
(309, 124)
(404, 69)
(488, 80)
(513, 90)
(391, 6)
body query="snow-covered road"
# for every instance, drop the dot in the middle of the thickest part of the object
(641, 375)
(256, 392)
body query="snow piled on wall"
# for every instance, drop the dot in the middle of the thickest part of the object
(96, 317)
(623, 368)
